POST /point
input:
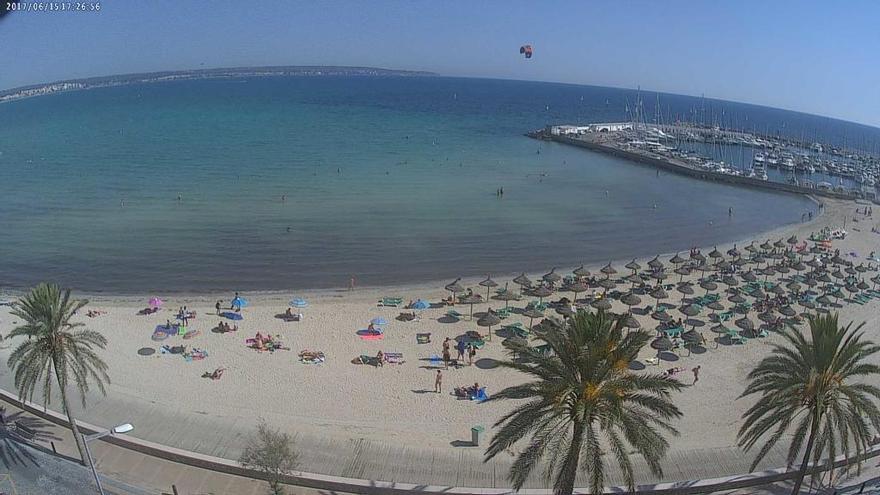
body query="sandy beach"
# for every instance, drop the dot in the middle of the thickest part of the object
(395, 403)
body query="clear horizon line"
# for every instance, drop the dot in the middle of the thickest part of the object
(427, 73)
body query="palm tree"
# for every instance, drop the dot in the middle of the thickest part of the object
(53, 347)
(818, 387)
(584, 394)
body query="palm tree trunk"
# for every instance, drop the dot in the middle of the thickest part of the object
(80, 446)
(568, 472)
(803, 469)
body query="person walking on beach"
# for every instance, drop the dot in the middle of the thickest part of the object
(460, 347)
(351, 283)
(438, 382)
(472, 352)
(696, 372)
(217, 307)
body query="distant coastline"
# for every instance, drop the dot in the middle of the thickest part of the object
(43, 89)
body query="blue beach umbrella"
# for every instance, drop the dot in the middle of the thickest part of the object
(379, 321)
(299, 302)
(239, 301)
(421, 304)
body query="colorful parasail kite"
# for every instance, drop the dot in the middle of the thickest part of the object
(526, 50)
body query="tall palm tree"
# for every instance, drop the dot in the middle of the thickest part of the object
(819, 388)
(55, 347)
(584, 397)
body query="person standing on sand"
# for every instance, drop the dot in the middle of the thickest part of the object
(696, 372)
(446, 357)
(438, 382)
(351, 283)
(217, 307)
(460, 347)
(472, 352)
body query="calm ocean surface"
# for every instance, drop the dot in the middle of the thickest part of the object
(390, 179)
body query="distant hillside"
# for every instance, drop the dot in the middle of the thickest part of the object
(219, 73)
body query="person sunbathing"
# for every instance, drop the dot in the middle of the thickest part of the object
(380, 358)
(288, 313)
(216, 374)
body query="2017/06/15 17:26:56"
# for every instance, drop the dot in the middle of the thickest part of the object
(53, 6)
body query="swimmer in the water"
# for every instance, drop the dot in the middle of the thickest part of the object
(288, 229)
(283, 198)
(179, 198)
(655, 206)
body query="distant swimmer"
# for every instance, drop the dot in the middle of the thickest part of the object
(606, 193)
(288, 229)
(283, 198)
(655, 206)
(730, 211)
(122, 203)
(338, 170)
(179, 197)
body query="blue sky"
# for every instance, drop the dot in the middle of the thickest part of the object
(816, 57)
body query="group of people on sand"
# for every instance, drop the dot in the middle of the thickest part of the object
(224, 327)
(463, 348)
(265, 342)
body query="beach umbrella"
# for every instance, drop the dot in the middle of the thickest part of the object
(682, 271)
(565, 311)
(751, 248)
(838, 274)
(630, 299)
(741, 262)
(155, 302)
(677, 259)
(630, 322)
(455, 288)
(715, 254)
(723, 265)
(745, 324)
(749, 276)
(837, 260)
(299, 302)
(876, 280)
(734, 252)
(768, 271)
(792, 240)
(692, 337)
(379, 321)
(699, 258)
(779, 244)
(658, 294)
(659, 275)
(737, 298)
(799, 266)
(507, 295)
(488, 284)
(814, 263)
(489, 320)
(633, 279)
(811, 282)
(782, 269)
(766, 246)
(703, 267)
(551, 277)
(661, 344)
(632, 265)
(715, 306)
(581, 272)
(602, 304)
(824, 278)
(851, 288)
(823, 300)
(577, 288)
(808, 304)
(655, 264)
(685, 288)
(421, 304)
(850, 270)
(708, 285)
(758, 294)
(787, 311)
(862, 285)
(661, 316)
(767, 317)
(607, 283)
(720, 329)
(522, 281)
(542, 292)
(471, 300)
(729, 281)
(690, 310)
(239, 302)
(861, 268)
(608, 270)
(778, 290)
(531, 314)
(794, 287)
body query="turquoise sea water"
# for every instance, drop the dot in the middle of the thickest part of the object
(391, 179)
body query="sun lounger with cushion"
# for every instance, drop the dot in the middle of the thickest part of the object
(454, 314)
(394, 357)
(423, 338)
(391, 301)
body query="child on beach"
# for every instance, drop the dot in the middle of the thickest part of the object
(438, 382)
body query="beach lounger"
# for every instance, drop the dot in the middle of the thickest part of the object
(544, 349)
(502, 313)
(454, 314)
(391, 301)
(423, 338)
(436, 362)
(517, 329)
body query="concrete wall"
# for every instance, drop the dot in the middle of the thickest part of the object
(372, 487)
